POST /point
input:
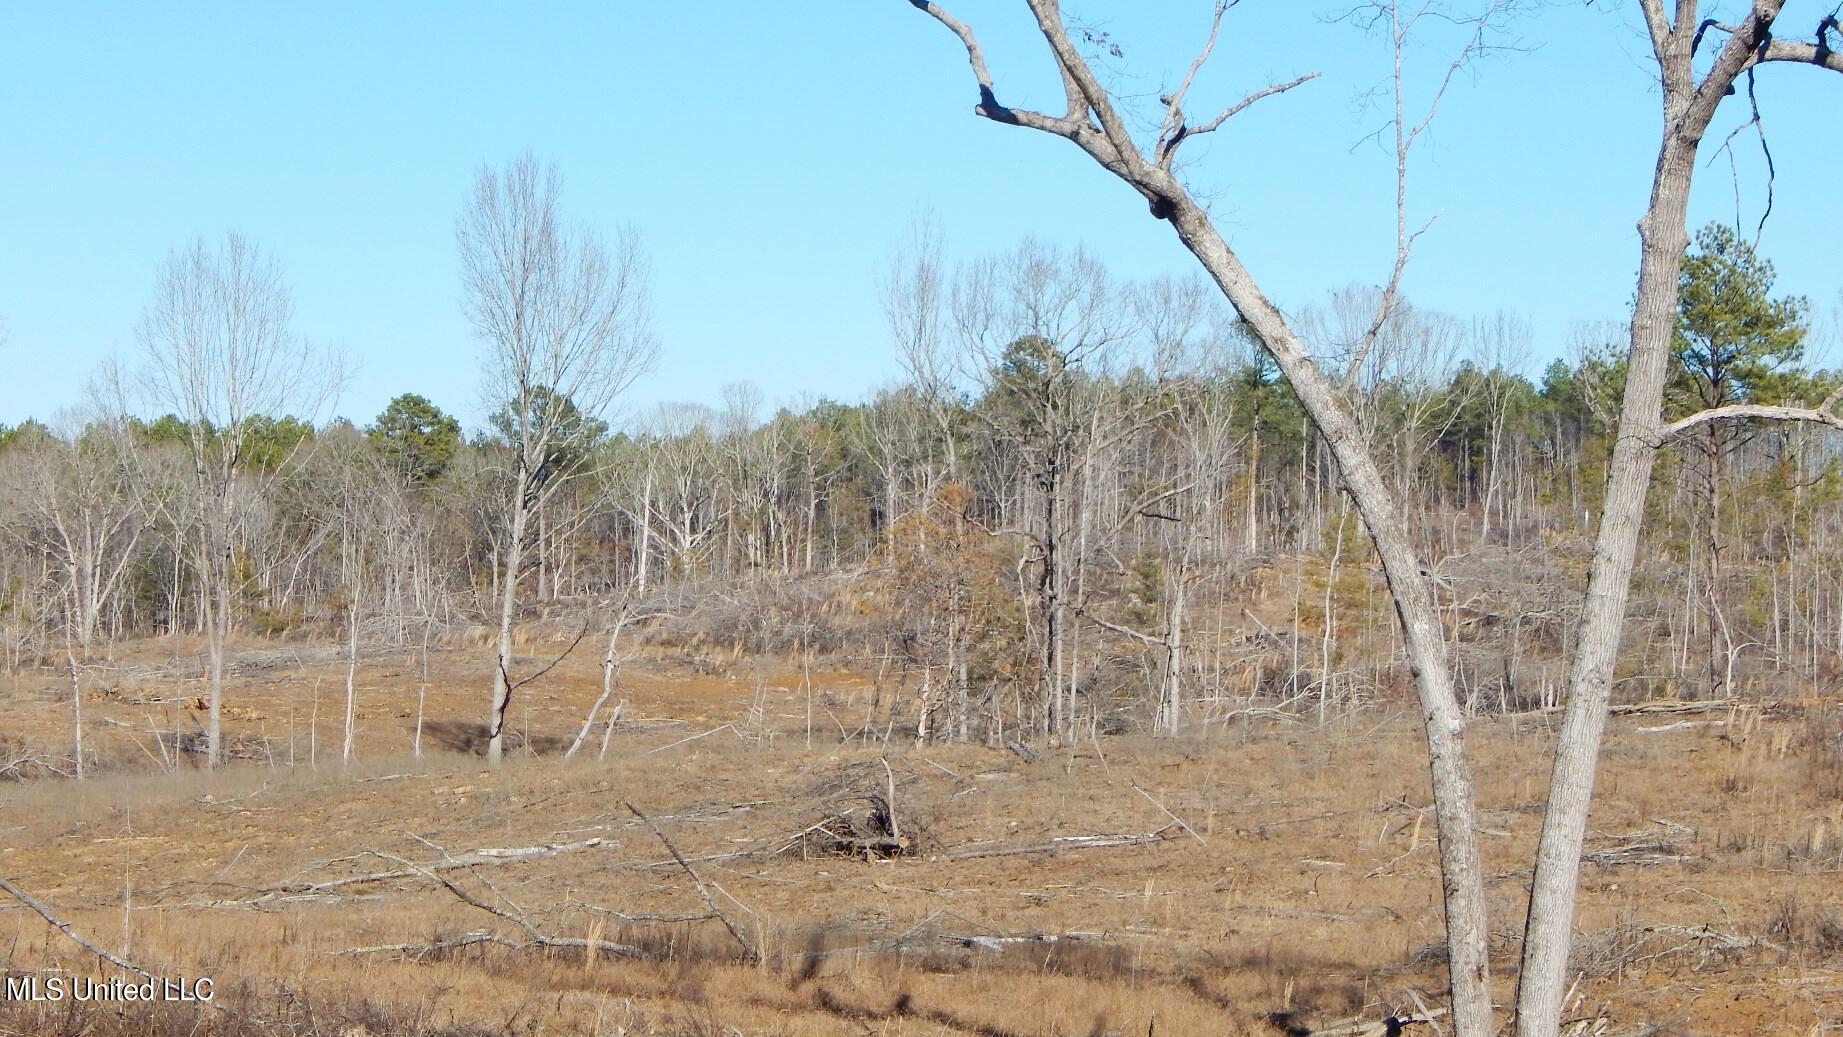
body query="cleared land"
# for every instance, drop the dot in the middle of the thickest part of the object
(1264, 876)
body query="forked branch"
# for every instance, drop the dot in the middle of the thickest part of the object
(1091, 121)
(989, 106)
(1817, 52)
(1168, 147)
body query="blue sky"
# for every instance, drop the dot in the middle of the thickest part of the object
(771, 156)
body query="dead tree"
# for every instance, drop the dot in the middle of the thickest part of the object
(1092, 123)
(221, 353)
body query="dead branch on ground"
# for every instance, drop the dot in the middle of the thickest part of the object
(533, 936)
(1067, 842)
(748, 947)
(486, 856)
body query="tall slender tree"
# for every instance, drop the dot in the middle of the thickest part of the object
(565, 322)
(222, 354)
(1689, 102)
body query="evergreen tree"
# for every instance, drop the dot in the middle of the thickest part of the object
(416, 437)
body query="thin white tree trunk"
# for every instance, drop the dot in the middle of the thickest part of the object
(646, 531)
(345, 752)
(611, 664)
(76, 713)
(216, 630)
(508, 602)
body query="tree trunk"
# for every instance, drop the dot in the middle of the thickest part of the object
(1173, 696)
(1549, 929)
(76, 712)
(217, 629)
(508, 602)
(1455, 814)
(611, 664)
(646, 532)
(1254, 484)
(345, 753)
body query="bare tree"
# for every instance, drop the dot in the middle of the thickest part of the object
(1501, 344)
(1185, 346)
(915, 302)
(1093, 123)
(565, 322)
(1038, 325)
(1399, 22)
(221, 351)
(71, 500)
(1689, 105)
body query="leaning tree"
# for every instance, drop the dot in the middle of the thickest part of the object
(1093, 121)
(1689, 103)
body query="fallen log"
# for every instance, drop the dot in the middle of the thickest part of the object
(489, 855)
(1674, 707)
(1067, 842)
(1024, 752)
(1389, 1027)
(1641, 853)
(749, 949)
(1681, 725)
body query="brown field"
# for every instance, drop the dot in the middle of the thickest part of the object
(1298, 892)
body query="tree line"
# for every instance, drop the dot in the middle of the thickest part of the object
(1058, 519)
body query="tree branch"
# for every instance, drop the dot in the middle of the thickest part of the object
(64, 927)
(1094, 98)
(1142, 638)
(1659, 27)
(1746, 41)
(1174, 112)
(1823, 414)
(749, 949)
(1819, 53)
(988, 106)
(1183, 133)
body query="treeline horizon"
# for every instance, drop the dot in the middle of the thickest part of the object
(1061, 513)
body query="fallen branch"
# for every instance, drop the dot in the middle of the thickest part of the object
(1642, 853)
(748, 948)
(1610, 951)
(490, 855)
(1067, 842)
(1657, 707)
(534, 937)
(1673, 707)
(1380, 1028)
(423, 950)
(1175, 819)
(1680, 725)
(64, 927)
(726, 727)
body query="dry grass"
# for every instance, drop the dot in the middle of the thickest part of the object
(1307, 896)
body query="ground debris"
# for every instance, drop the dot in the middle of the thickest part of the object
(1619, 948)
(1638, 849)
